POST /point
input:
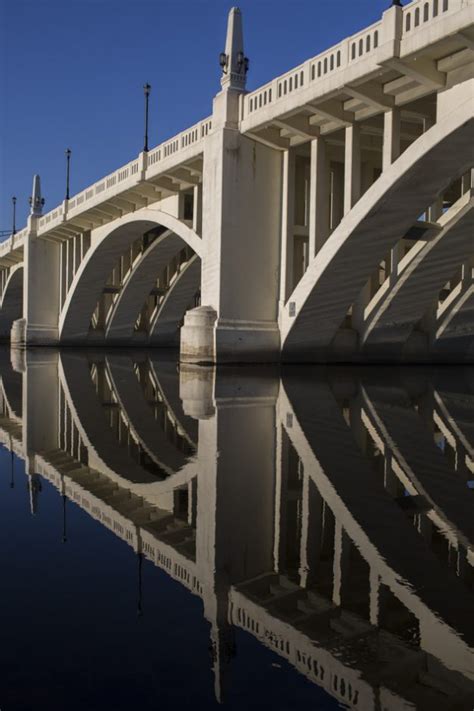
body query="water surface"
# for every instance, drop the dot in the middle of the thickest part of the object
(176, 538)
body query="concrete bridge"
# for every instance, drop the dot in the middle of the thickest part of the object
(325, 216)
(322, 537)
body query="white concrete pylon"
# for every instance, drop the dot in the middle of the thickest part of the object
(36, 201)
(234, 72)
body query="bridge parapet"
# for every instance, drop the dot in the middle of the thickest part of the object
(10, 247)
(357, 56)
(191, 137)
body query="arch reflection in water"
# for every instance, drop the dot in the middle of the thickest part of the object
(324, 512)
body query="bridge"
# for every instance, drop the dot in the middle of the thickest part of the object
(326, 216)
(302, 556)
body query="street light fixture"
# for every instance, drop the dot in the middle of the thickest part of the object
(64, 538)
(68, 170)
(242, 62)
(14, 216)
(223, 61)
(146, 91)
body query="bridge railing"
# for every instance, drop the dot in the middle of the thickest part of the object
(116, 182)
(190, 137)
(334, 59)
(111, 182)
(8, 244)
(419, 12)
(51, 216)
(340, 57)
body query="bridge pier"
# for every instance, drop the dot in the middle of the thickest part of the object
(41, 283)
(241, 233)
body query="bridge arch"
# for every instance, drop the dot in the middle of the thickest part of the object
(455, 322)
(337, 274)
(85, 412)
(164, 328)
(391, 320)
(11, 305)
(108, 245)
(415, 585)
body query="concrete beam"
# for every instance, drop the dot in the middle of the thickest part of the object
(271, 137)
(467, 41)
(423, 71)
(82, 224)
(136, 198)
(123, 203)
(391, 137)
(299, 125)
(149, 191)
(182, 176)
(109, 210)
(371, 94)
(166, 184)
(332, 110)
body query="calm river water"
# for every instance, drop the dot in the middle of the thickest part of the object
(189, 538)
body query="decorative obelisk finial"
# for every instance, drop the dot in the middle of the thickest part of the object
(36, 201)
(233, 62)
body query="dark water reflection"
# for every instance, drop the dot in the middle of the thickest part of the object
(180, 538)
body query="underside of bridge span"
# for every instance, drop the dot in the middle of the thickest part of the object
(324, 217)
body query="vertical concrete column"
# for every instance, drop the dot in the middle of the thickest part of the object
(391, 137)
(468, 181)
(337, 194)
(311, 531)
(235, 508)
(436, 210)
(359, 306)
(287, 226)
(390, 480)
(41, 289)
(62, 274)
(197, 209)
(341, 562)
(352, 167)
(391, 151)
(358, 428)
(319, 196)
(396, 255)
(40, 404)
(378, 598)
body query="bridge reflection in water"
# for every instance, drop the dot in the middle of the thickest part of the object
(324, 511)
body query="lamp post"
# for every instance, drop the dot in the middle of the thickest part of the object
(146, 91)
(64, 538)
(68, 170)
(14, 216)
(140, 593)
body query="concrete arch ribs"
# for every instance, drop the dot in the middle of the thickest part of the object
(335, 277)
(120, 326)
(393, 318)
(164, 329)
(107, 246)
(405, 564)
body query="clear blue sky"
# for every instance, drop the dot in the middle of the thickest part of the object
(72, 71)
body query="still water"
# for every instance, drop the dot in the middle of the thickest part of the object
(177, 538)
